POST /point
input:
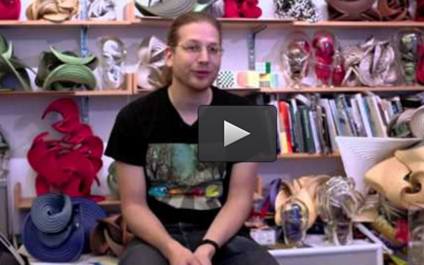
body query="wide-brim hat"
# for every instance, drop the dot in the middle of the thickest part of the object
(65, 251)
(396, 177)
(359, 154)
(10, 10)
(50, 245)
(173, 8)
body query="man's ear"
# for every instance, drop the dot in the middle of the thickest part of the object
(169, 54)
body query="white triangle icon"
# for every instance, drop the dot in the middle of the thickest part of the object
(233, 133)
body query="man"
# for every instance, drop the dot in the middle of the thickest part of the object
(183, 211)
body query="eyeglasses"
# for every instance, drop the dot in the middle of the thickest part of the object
(196, 48)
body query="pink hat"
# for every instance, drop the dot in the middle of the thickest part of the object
(10, 9)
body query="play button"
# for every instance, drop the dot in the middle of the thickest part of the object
(233, 133)
(237, 134)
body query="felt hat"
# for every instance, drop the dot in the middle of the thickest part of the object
(397, 177)
(10, 9)
(173, 8)
(62, 235)
(359, 154)
(48, 244)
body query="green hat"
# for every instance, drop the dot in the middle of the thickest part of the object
(173, 8)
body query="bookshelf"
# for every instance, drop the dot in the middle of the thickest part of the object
(343, 89)
(128, 90)
(24, 203)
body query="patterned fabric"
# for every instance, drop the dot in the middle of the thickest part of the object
(180, 180)
(225, 79)
(296, 9)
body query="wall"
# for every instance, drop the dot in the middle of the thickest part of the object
(20, 117)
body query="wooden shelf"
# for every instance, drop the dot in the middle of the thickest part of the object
(307, 156)
(128, 91)
(360, 24)
(237, 23)
(110, 202)
(128, 19)
(228, 23)
(343, 89)
(22, 203)
(71, 23)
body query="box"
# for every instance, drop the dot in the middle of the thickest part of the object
(360, 252)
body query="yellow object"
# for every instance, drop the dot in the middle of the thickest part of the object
(212, 191)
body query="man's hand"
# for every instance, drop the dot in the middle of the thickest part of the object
(204, 254)
(179, 255)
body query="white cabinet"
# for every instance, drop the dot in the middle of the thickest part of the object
(359, 253)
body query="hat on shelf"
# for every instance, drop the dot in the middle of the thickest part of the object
(173, 8)
(10, 9)
(400, 178)
(58, 228)
(359, 154)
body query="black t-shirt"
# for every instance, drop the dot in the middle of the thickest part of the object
(149, 132)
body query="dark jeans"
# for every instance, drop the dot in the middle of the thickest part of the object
(239, 250)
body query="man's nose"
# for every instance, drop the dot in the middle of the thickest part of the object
(203, 55)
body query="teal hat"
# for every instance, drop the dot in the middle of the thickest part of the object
(173, 8)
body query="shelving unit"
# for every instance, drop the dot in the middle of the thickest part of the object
(361, 252)
(71, 23)
(307, 156)
(344, 89)
(110, 202)
(359, 24)
(246, 23)
(24, 203)
(127, 91)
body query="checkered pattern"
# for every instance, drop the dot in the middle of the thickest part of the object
(263, 67)
(274, 83)
(225, 79)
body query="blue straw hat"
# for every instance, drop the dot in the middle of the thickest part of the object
(58, 228)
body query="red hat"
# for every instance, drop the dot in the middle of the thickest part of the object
(10, 9)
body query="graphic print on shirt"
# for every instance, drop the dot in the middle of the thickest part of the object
(179, 179)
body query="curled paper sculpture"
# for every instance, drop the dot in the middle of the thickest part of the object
(408, 43)
(294, 221)
(372, 63)
(52, 10)
(394, 10)
(65, 71)
(12, 66)
(112, 60)
(338, 203)
(406, 174)
(152, 71)
(70, 164)
(352, 10)
(172, 8)
(295, 57)
(110, 236)
(304, 189)
(409, 123)
(324, 50)
(102, 10)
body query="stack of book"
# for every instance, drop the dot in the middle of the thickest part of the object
(309, 123)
